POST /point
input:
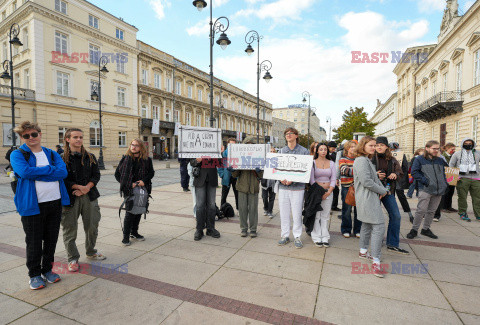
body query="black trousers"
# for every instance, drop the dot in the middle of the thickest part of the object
(184, 177)
(403, 200)
(226, 190)
(447, 197)
(206, 210)
(336, 191)
(130, 224)
(41, 235)
(268, 197)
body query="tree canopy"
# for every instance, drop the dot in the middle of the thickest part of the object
(354, 120)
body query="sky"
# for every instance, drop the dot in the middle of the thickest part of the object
(309, 43)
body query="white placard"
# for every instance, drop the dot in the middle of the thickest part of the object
(177, 125)
(399, 156)
(294, 168)
(247, 156)
(7, 135)
(198, 142)
(156, 126)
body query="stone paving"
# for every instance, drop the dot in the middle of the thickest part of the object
(170, 279)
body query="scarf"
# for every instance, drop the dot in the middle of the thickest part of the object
(467, 162)
(126, 173)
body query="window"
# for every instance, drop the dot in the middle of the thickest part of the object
(26, 79)
(61, 135)
(190, 90)
(93, 85)
(119, 34)
(188, 118)
(169, 84)
(176, 115)
(16, 80)
(5, 53)
(155, 112)
(92, 21)
(144, 112)
(199, 120)
(433, 133)
(121, 60)
(63, 82)
(445, 81)
(157, 81)
(61, 41)
(61, 6)
(459, 77)
(14, 5)
(231, 124)
(144, 77)
(94, 53)
(476, 68)
(474, 128)
(121, 96)
(425, 94)
(178, 88)
(200, 93)
(434, 88)
(25, 38)
(457, 131)
(207, 121)
(224, 124)
(122, 139)
(95, 133)
(167, 115)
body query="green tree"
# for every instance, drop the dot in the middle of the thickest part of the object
(354, 120)
(303, 140)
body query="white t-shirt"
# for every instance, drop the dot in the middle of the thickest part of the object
(46, 191)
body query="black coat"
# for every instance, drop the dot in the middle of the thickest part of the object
(91, 172)
(208, 171)
(312, 204)
(147, 176)
(403, 183)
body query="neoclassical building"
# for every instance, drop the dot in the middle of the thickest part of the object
(279, 127)
(56, 68)
(170, 90)
(439, 98)
(298, 114)
(384, 117)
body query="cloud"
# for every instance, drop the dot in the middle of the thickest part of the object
(218, 3)
(202, 28)
(467, 5)
(159, 7)
(427, 6)
(253, 1)
(278, 10)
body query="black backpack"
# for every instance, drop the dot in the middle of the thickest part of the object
(26, 155)
(227, 210)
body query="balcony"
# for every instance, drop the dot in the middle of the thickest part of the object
(19, 93)
(439, 106)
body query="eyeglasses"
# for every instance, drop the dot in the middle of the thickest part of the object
(290, 133)
(436, 149)
(135, 145)
(27, 136)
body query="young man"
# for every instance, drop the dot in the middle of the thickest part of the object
(448, 152)
(429, 171)
(39, 198)
(83, 176)
(332, 147)
(290, 194)
(227, 180)
(467, 160)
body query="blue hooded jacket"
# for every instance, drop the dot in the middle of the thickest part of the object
(27, 173)
(223, 172)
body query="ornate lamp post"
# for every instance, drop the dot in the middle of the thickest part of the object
(304, 95)
(265, 65)
(329, 120)
(97, 95)
(223, 41)
(8, 65)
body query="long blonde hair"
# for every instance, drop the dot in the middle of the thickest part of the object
(143, 149)
(67, 150)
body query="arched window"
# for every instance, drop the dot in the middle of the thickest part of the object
(95, 133)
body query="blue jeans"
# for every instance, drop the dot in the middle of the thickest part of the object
(346, 226)
(412, 188)
(394, 218)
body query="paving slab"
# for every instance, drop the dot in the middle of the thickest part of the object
(226, 239)
(450, 272)
(462, 297)
(442, 254)
(469, 319)
(42, 316)
(12, 309)
(8, 261)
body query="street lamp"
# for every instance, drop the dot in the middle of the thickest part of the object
(265, 65)
(329, 120)
(6, 76)
(223, 41)
(97, 95)
(304, 95)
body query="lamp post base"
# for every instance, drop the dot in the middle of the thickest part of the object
(101, 164)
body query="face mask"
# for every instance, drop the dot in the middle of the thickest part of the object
(468, 146)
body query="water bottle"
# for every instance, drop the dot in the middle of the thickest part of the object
(388, 188)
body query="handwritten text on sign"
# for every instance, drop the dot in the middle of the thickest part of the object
(294, 168)
(197, 142)
(247, 156)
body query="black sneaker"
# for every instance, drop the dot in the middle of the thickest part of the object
(198, 235)
(126, 242)
(137, 237)
(412, 234)
(186, 189)
(319, 244)
(213, 232)
(336, 209)
(397, 250)
(326, 245)
(428, 233)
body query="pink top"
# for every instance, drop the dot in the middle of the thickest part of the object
(328, 175)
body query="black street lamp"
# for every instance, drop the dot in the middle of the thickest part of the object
(265, 65)
(329, 120)
(223, 41)
(304, 95)
(6, 76)
(97, 95)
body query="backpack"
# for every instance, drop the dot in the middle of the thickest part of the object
(136, 203)
(26, 155)
(218, 213)
(227, 210)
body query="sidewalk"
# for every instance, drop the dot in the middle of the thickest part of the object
(170, 279)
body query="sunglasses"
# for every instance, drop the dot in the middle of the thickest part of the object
(27, 136)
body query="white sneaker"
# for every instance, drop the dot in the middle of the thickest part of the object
(346, 235)
(73, 266)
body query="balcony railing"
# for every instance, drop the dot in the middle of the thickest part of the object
(19, 93)
(440, 105)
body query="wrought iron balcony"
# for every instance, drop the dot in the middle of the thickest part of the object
(19, 93)
(443, 104)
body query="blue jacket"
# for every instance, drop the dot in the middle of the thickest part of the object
(430, 175)
(223, 172)
(26, 199)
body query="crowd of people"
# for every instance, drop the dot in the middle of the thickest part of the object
(53, 190)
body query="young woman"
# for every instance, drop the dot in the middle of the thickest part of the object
(368, 193)
(135, 169)
(324, 173)
(414, 185)
(346, 180)
(313, 146)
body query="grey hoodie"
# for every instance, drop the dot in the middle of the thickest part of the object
(457, 157)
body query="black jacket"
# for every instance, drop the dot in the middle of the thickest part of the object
(208, 172)
(91, 173)
(147, 176)
(313, 204)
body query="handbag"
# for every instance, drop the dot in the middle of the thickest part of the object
(350, 197)
(196, 171)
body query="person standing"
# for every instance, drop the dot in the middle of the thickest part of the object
(332, 146)
(389, 171)
(467, 160)
(449, 150)
(325, 175)
(346, 180)
(190, 173)
(184, 177)
(414, 185)
(402, 183)
(290, 194)
(39, 198)
(81, 182)
(429, 171)
(59, 149)
(135, 169)
(368, 193)
(268, 193)
(226, 175)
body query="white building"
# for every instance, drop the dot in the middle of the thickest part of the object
(384, 115)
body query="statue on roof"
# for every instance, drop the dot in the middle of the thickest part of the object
(449, 13)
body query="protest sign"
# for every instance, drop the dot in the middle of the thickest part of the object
(399, 156)
(294, 168)
(247, 156)
(452, 175)
(198, 142)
